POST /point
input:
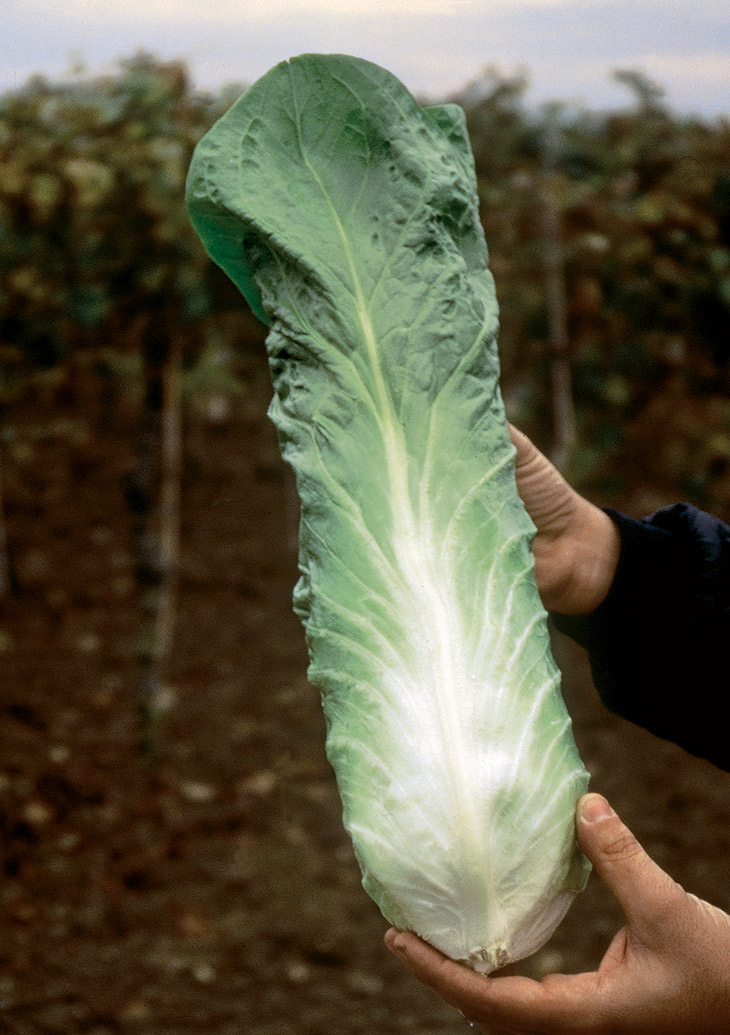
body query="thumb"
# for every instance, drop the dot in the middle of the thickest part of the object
(643, 890)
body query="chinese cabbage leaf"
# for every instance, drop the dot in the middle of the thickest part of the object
(347, 214)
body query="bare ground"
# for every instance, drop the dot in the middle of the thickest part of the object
(217, 892)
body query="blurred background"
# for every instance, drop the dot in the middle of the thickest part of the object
(172, 858)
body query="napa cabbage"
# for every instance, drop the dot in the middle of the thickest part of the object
(347, 214)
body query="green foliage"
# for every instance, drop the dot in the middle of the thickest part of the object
(94, 239)
(93, 233)
(644, 203)
(349, 216)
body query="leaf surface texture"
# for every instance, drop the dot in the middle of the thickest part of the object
(347, 214)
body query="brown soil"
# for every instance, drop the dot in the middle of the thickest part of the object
(217, 893)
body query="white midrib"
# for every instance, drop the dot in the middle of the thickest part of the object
(416, 555)
(440, 636)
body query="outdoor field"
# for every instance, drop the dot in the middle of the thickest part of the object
(190, 875)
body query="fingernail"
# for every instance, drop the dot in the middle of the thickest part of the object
(394, 942)
(595, 808)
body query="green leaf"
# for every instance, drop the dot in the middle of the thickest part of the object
(347, 214)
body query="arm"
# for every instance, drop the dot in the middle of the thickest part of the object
(667, 972)
(649, 600)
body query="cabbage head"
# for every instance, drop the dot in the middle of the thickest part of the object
(347, 214)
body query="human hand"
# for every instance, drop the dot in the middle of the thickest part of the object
(667, 972)
(576, 547)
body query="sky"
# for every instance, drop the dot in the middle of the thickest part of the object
(567, 48)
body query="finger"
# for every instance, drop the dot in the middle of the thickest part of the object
(647, 895)
(545, 493)
(527, 455)
(519, 440)
(559, 1003)
(454, 983)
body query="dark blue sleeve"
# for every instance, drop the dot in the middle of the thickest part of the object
(659, 643)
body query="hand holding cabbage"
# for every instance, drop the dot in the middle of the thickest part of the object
(576, 545)
(667, 972)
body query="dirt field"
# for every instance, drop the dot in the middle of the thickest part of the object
(218, 893)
